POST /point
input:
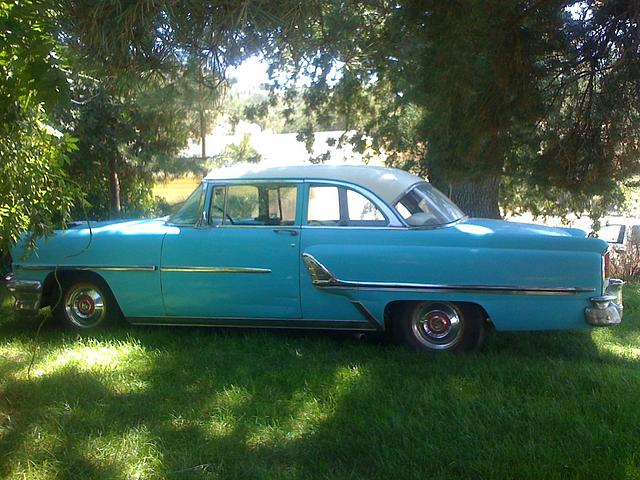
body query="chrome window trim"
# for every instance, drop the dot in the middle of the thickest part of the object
(435, 227)
(356, 227)
(253, 181)
(114, 268)
(322, 277)
(397, 199)
(191, 269)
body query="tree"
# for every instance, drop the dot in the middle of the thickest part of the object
(35, 193)
(590, 140)
(448, 89)
(241, 152)
(476, 94)
(472, 93)
(203, 94)
(127, 138)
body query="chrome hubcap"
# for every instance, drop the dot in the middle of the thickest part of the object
(85, 307)
(437, 326)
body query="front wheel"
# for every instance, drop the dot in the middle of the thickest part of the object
(87, 305)
(440, 326)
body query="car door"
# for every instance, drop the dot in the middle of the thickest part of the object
(348, 232)
(242, 261)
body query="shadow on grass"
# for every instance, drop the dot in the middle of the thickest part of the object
(194, 403)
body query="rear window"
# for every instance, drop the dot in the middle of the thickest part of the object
(424, 205)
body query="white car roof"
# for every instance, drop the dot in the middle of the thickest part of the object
(387, 183)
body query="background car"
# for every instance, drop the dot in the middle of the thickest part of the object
(620, 232)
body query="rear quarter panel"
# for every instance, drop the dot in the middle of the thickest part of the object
(453, 256)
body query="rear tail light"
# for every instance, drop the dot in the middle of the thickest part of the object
(606, 264)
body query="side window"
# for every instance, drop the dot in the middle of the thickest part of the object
(282, 205)
(324, 206)
(338, 206)
(216, 210)
(253, 205)
(242, 205)
(362, 211)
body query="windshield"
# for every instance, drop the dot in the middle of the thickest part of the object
(191, 210)
(424, 205)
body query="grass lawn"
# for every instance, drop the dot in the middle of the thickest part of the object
(198, 403)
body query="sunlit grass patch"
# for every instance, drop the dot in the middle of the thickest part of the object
(106, 357)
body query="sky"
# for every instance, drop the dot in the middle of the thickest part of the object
(250, 74)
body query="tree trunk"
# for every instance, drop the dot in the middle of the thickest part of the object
(114, 189)
(477, 199)
(203, 134)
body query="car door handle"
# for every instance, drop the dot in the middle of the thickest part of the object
(290, 231)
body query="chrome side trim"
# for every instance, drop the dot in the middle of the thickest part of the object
(364, 311)
(270, 323)
(322, 277)
(216, 269)
(114, 268)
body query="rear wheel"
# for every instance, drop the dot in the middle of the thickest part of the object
(440, 326)
(87, 305)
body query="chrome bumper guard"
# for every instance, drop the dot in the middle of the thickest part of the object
(606, 309)
(27, 293)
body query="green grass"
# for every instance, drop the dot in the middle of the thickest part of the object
(197, 403)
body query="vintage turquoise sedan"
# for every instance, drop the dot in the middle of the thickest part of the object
(322, 247)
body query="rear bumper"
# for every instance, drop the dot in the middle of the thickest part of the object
(27, 294)
(607, 309)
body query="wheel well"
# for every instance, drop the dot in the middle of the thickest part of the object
(51, 287)
(394, 308)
